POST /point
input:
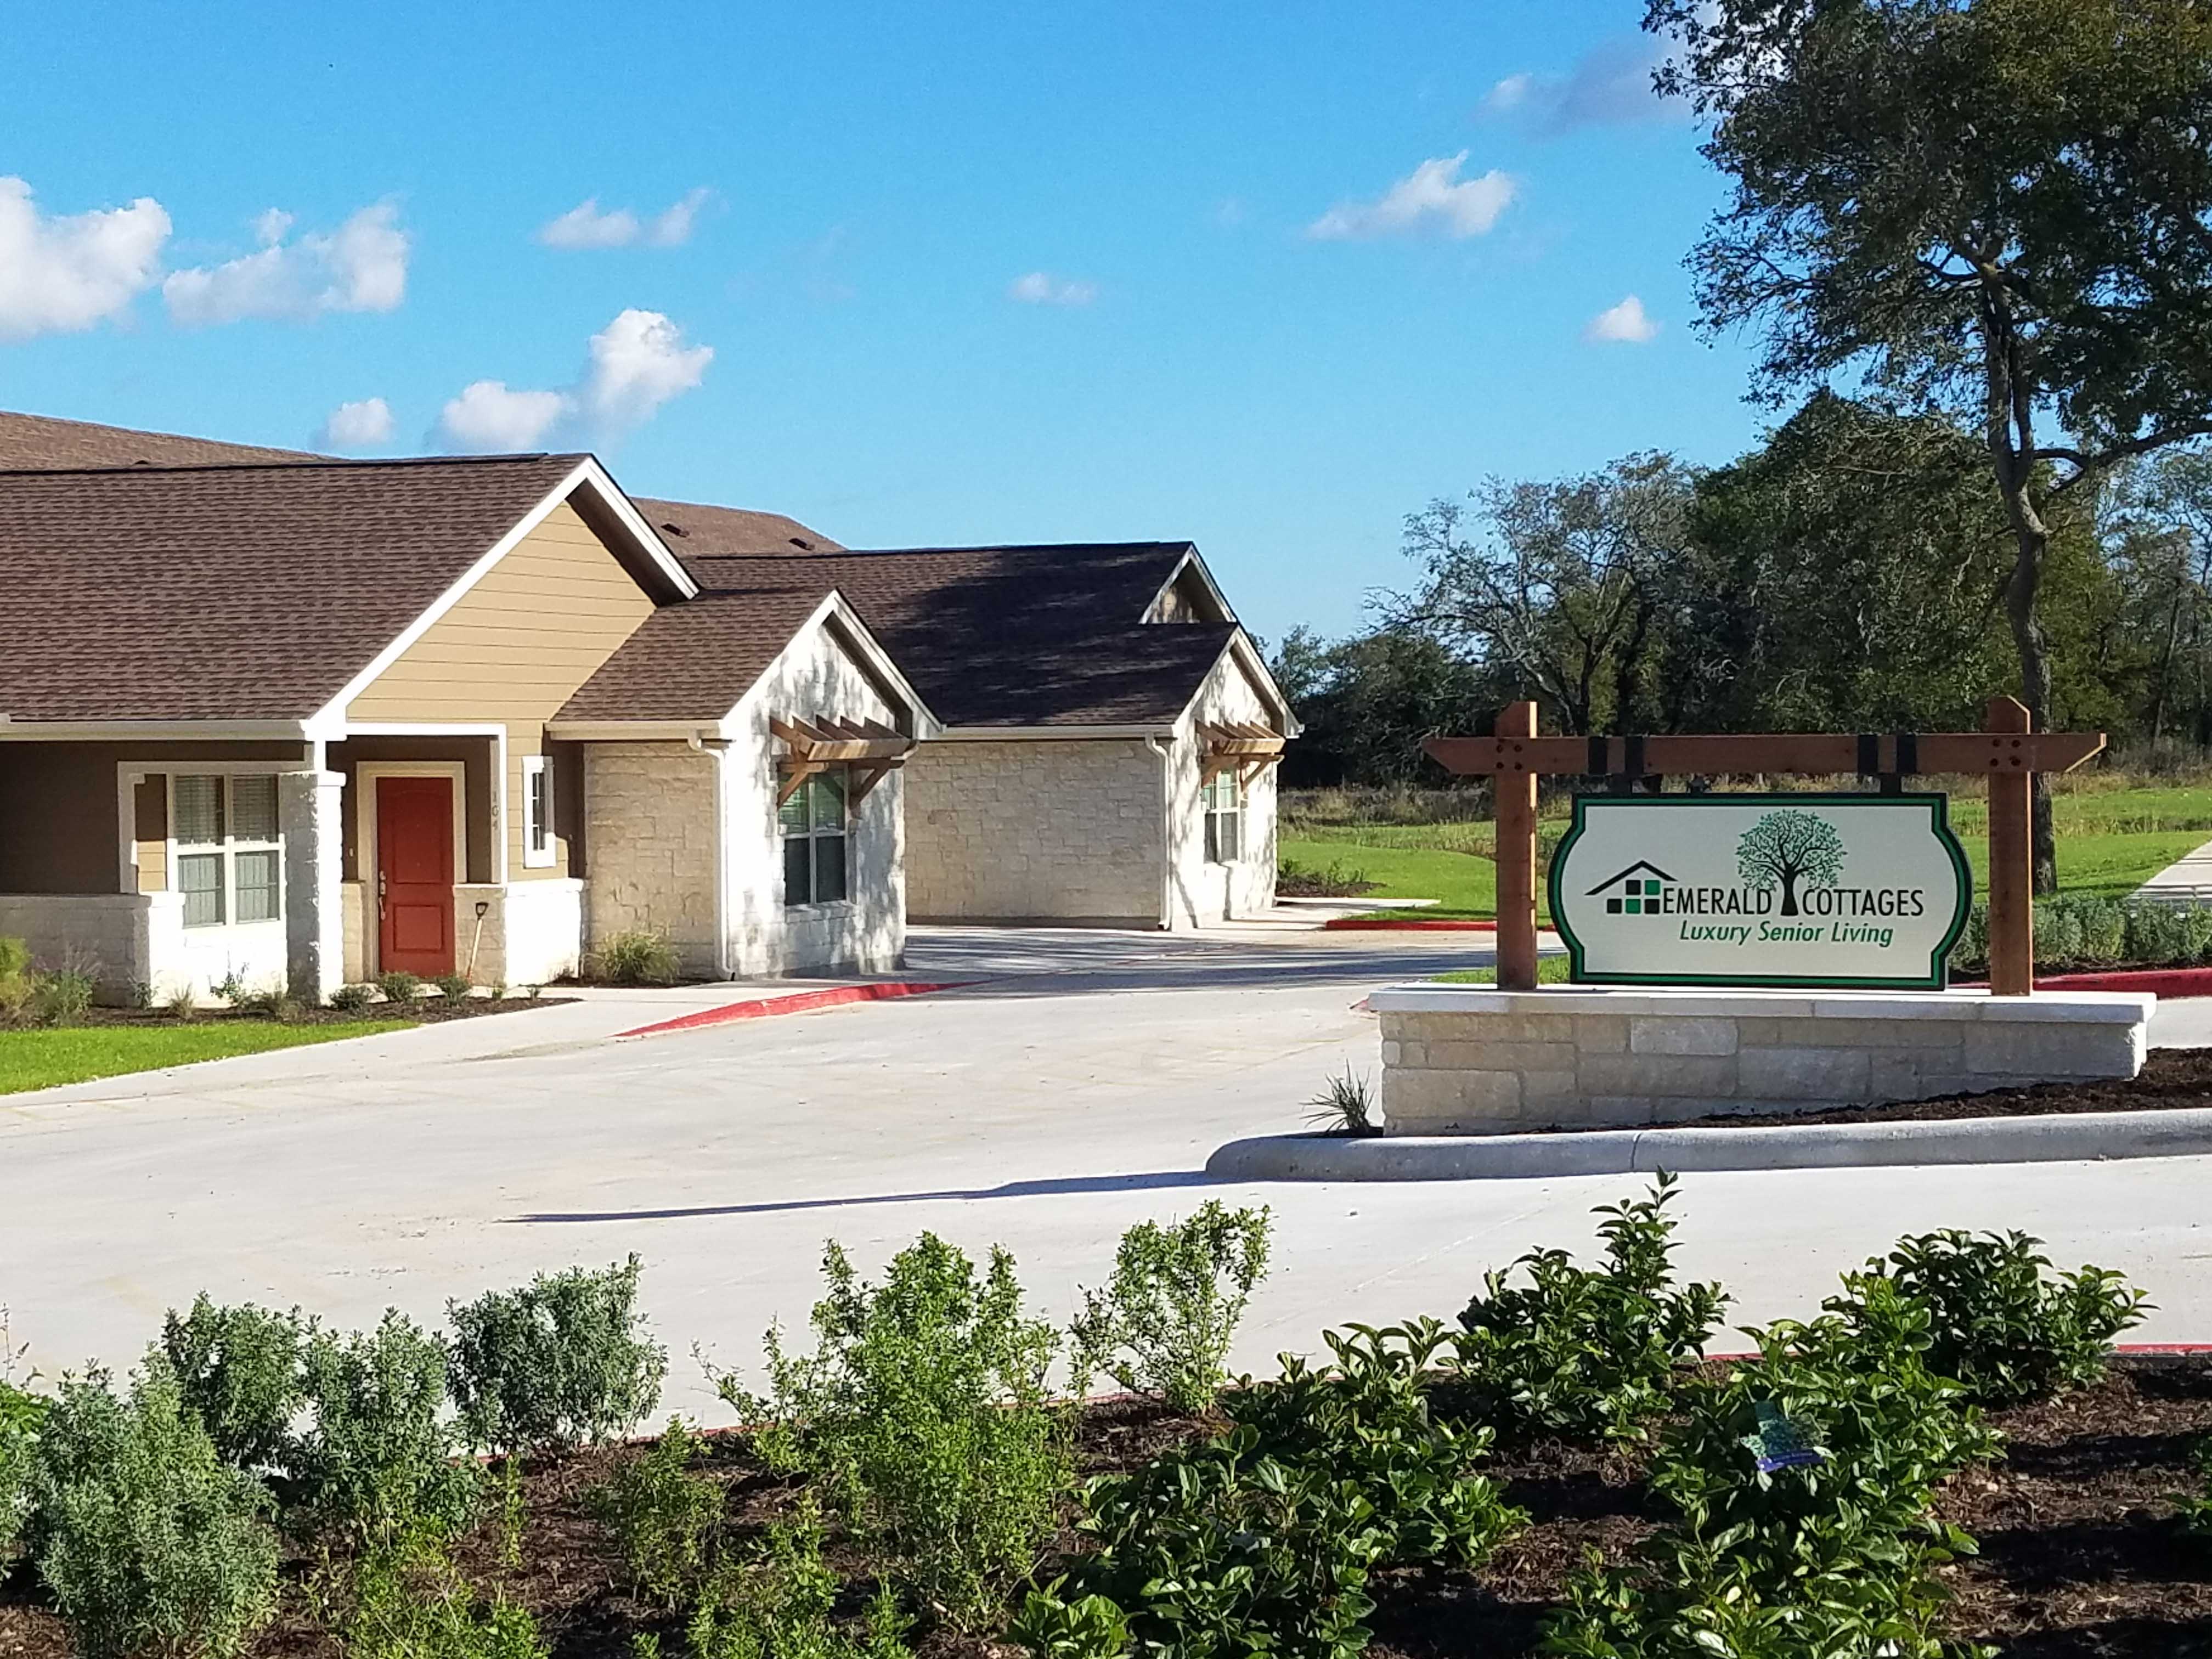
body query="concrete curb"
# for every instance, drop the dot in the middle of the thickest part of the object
(1392, 925)
(795, 1002)
(2058, 1138)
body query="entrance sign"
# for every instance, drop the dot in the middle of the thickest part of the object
(1832, 891)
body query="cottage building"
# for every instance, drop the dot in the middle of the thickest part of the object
(1108, 729)
(300, 721)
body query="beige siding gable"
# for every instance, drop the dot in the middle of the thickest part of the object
(514, 649)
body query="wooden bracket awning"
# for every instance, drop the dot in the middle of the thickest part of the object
(1238, 746)
(819, 744)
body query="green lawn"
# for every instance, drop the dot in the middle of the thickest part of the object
(1550, 970)
(78, 1053)
(2110, 842)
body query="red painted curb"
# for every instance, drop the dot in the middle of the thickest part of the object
(796, 1002)
(1354, 924)
(2152, 1349)
(2159, 982)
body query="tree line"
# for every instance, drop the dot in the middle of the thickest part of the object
(1988, 221)
(1849, 575)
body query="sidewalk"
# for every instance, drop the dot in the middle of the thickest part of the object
(2187, 880)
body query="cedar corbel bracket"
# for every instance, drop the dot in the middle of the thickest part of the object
(816, 746)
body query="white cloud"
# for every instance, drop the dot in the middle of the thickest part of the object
(489, 418)
(360, 266)
(639, 361)
(59, 274)
(585, 226)
(363, 424)
(671, 226)
(1625, 323)
(1610, 85)
(634, 365)
(1041, 287)
(1432, 194)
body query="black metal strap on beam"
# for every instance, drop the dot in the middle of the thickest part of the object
(1869, 754)
(1599, 763)
(1631, 772)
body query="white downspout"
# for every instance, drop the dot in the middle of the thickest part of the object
(718, 750)
(1165, 749)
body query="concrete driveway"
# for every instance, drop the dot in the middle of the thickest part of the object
(1077, 1088)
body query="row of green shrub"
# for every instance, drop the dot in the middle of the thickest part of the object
(30, 994)
(1798, 1489)
(2080, 931)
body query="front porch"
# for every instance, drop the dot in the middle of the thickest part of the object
(213, 869)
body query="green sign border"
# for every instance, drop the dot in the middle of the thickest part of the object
(1936, 805)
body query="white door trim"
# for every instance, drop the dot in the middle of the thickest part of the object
(366, 777)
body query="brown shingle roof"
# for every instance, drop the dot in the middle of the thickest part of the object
(709, 530)
(693, 661)
(1028, 636)
(41, 441)
(233, 592)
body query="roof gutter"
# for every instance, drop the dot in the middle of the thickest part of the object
(1050, 733)
(1164, 748)
(19, 730)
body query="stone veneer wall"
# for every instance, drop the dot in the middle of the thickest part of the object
(650, 828)
(1028, 831)
(1488, 1062)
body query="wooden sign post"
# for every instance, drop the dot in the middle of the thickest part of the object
(2007, 752)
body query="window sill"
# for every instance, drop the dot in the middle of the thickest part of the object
(827, 908)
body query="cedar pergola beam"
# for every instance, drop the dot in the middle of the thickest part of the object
(1238, 746)
(1718, 755)
(818, 744)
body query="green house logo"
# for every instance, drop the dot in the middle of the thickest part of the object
(1639, 890)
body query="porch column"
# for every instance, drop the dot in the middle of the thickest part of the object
(314, 922)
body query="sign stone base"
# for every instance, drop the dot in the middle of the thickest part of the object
(1467, 1059)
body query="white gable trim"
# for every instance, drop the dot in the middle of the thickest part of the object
(588, 477)
(1247, 657)
(1191, 560)
(863, 647)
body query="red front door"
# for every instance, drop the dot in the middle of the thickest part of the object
(415, 875)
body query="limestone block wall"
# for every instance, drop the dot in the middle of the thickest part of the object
(1034, 831)
(116, 935)
(650, 823)
(1486, 1063)
(1202, 891)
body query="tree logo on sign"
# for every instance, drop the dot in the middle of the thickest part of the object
(1787, 848)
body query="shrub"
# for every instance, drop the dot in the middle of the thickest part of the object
(923, 1413)
(377, 1458)
(1346, 1106)
(1366, 1419)
(1579, 1350)
(453, 987)
(148, 1541)
(21, 1414)
(2195, 1507)
(1216, 1550)
(662, 1515)
(1998, 1325)
(638, 956)
(61, 996)
(1088, 1628)
(1802, 1485)
(400, 987)
(182, 1005)
(241, 1371)
(352, 999)
(777, 1605)
(1164, 1323)
(405, 1600)
(268, 1002)
(563, 1360)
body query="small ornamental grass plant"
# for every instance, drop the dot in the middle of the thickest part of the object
(149, 1543)
(923, 1414)
(399, 988)
(1802, 1486)
(1998, 1324)
(640, 956)
(242, 1372)
(1164, 1324)
(662, 1517)
(1576, 1351)
(564, 1361)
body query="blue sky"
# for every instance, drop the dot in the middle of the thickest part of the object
(966, 272)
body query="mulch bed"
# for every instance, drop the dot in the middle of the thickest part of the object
(429, 1009)
(2171, 1079)
(2082, 1555)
